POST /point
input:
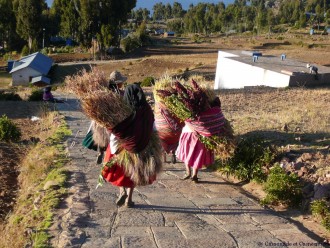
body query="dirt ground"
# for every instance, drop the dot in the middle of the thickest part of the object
(182, 57)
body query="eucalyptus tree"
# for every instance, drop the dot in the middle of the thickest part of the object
(29, 19)
(65, 14)
(158, 11)
(168, 11)
(7, 23)
(177, 10)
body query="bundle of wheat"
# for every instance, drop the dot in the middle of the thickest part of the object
(107, 108)
(85, 82)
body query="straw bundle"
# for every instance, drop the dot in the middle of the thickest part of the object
(100, 135)
(107, 108)
(142, 166)
(85, 82)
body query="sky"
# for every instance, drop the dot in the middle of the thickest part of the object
(185, 3)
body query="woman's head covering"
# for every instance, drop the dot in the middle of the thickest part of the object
(134, 96)
(116, 78)
(47, 89)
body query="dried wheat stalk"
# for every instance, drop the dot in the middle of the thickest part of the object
(105, 107)
(85, 82)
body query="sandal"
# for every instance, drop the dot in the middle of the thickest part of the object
(185, 177)
(129, 204)
(194, 179)
(121, 199)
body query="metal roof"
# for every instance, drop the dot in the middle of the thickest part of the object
(36, 61)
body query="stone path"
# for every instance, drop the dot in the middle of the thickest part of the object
(168, 213)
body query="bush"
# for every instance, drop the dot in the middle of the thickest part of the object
(251, 160)
(321, 209)
(147, 82)
(130, 43)
(8, 130)
(25, 51)
(282, 188)
(36, 95)
(9, 96)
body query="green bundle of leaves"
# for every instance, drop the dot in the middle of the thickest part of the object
(251, 159)
(184, 101)
(8, 130)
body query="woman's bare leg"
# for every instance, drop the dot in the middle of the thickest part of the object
(187, 174)
(129, 195)
(194, 177)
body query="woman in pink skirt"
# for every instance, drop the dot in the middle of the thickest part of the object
(191, 150)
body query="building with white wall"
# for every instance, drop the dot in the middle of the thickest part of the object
(239, 69)
(30, 67)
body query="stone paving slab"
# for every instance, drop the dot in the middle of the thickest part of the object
(169, 213)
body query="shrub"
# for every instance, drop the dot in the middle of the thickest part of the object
(25, 51)
(130, 43)
(251, 159)
(36, 95)
(9, 96)
(282, 188)
(147, 82)
(8, 130)
(321, 209)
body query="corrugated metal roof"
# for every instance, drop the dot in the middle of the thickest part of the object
(40, 81)
(36, 61)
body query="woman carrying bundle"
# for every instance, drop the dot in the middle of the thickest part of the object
(132, 157)
(169, 128)
(205, 131)
(191, 150)
(97, 137)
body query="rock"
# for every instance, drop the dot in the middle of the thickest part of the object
(306, 156)
(304, 169)
(308, 190)
(298, 166)
(321, 191)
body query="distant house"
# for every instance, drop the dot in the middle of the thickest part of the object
(169, 34)
(30, 68)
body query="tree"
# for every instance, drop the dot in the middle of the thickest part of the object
(66, 14)
(177, 10)
(7, 22)
(159, 11)
(29, 22)
(168, 11)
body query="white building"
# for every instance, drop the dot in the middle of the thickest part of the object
(29, 68)
(237, 69)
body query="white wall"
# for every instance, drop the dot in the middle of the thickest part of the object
(22, 77)
(232, 74)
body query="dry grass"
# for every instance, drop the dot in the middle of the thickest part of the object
(5, 80)
(33, 209)
(301, 111)
(86, 82)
